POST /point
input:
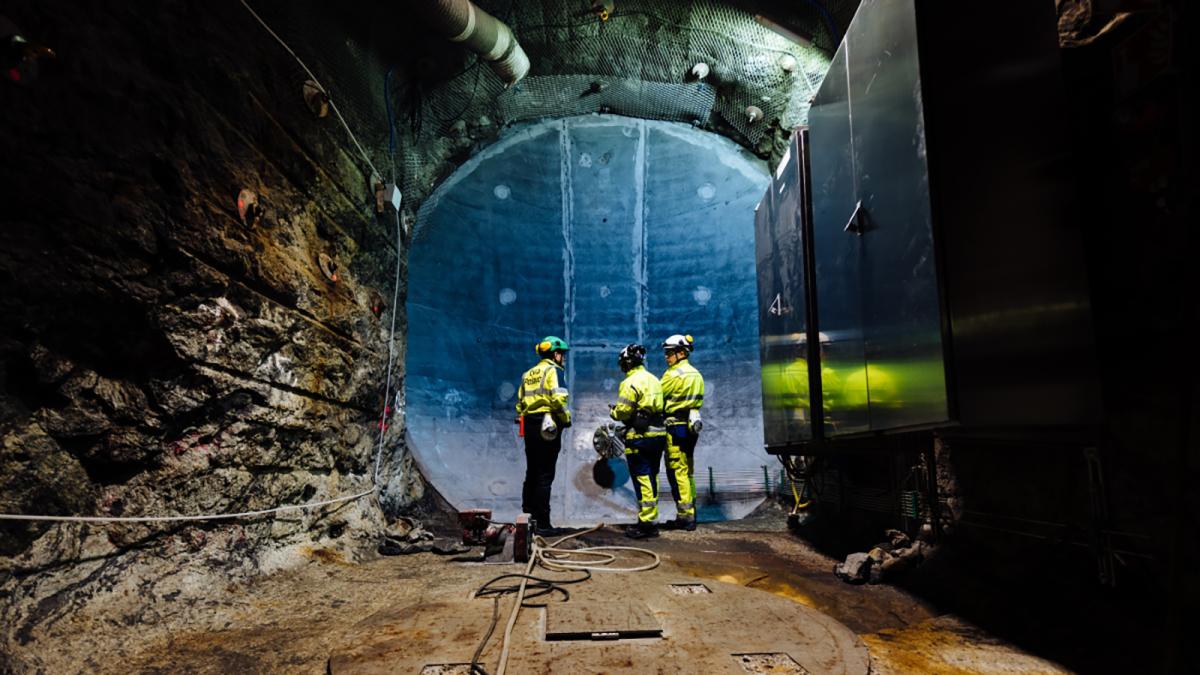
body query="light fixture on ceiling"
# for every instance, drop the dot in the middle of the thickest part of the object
(316, 98)
(248, 209)
(603, 8)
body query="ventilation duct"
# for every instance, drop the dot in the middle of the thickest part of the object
(463, 21)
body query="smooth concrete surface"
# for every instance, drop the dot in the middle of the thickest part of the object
(603, 230)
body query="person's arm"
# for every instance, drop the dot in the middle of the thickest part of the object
(627, 397)
(671, 386)
(521, 398)
(559, 398)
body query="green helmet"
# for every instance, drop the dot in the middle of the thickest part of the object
(551, 344)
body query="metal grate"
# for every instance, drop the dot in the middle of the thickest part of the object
(690, 589)
(451, 669)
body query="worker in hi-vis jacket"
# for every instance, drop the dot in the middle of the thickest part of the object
(542, 407)
(640, 407)
(683, 395)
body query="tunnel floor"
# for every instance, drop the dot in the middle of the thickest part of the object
(336, 616)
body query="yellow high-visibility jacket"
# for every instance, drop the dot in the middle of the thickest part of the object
(640, 390)
(785, 385)
(540, 393)
(683, 389)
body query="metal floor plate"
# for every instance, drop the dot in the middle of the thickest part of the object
(601, 621)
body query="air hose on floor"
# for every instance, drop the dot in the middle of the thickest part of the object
(553, 558)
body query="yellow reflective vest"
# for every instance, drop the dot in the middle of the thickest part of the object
(640, 390)
(785, 386)
(540, 393)
(683, 389)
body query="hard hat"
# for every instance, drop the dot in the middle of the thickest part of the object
(631, 356)
(679, 342)
(551, 344)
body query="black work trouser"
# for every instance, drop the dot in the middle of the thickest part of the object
(541, 459)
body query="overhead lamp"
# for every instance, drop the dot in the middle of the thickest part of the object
(328, 266)
(248, 209)
(316, 98)
(603, 8)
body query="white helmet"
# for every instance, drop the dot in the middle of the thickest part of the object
(679, 342)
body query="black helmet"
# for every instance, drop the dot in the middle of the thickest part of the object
(632, 356)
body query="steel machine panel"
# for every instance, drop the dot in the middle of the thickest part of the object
(948, 280)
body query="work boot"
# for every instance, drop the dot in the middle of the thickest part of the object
(684, 523)
(641, 531)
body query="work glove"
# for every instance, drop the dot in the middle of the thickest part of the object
(549, 428)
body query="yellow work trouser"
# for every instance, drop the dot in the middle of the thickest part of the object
(644, 456)
(681, 468)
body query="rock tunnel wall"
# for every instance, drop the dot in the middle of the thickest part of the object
(159, 356)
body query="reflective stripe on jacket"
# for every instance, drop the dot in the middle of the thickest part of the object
(683, 388)
(640, 390)
(540, 393)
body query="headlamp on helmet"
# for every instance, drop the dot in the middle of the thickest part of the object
(632, 356)
(551, 344)
(684, 342)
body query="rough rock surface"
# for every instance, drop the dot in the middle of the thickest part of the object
(1081, 22)
(158, 355)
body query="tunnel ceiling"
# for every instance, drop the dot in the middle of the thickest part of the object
(635, 63)
(443, 104)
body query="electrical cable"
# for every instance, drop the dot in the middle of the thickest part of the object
(387, 388)
(387, 106)
(829, 22)
(512, 618)
(375, 172)
(545, 586)
(475, 669)
(164, 519)
(553, 558)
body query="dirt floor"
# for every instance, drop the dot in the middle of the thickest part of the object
(335, 616)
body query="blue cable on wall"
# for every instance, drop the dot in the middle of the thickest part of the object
(829, 22)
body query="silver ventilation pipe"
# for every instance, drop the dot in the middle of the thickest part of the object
(463, 21)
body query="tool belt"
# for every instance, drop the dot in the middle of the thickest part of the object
(642, 421)
(689, 426)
